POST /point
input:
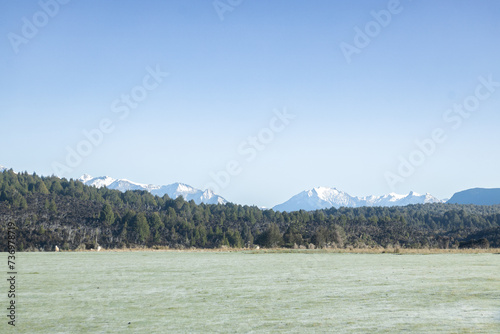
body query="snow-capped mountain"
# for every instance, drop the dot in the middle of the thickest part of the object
(2, 168)
(324, 198)
(317, 198)
(172, 190)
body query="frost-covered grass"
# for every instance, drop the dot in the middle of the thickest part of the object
(228, 292)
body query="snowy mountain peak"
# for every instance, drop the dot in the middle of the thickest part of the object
(85, 177)
(173, 190)
(324, 192)
(184, 188)
(324, 197)
(2, 168)
(208, 193)
(98, 182)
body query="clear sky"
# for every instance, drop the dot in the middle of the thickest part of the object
(364, 80)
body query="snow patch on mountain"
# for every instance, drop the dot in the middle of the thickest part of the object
(325, 198)
(172, 190)
(2, 168)
(103, 181)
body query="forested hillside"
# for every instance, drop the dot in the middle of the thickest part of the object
(49, 211)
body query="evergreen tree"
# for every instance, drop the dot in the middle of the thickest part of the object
(107, 216)
(141, 227)
(41, 188)
(53, 206)
(271, 238)
(155, 222)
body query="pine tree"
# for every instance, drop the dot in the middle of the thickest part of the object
(53, 207)
(107, 216)
(155, 222)
(41, 187)
(271, 237)
(141, 227)
(123, 233)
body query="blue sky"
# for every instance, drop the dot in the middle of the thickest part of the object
(353, 120)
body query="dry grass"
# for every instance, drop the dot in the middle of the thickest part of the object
(379, 250)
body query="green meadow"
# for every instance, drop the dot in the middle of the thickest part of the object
(254, 292)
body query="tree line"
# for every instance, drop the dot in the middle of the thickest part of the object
(49, 211)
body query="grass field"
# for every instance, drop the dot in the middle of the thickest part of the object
(253, 292)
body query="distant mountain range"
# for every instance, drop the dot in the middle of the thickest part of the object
(478, 196)
(172, 190)
(309, 200)
(324, 198)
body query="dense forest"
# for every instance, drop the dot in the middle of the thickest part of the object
(50, 211)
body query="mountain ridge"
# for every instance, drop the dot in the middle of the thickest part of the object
(173, 190)
(324, 198)
(477, 196)
(309, 200)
